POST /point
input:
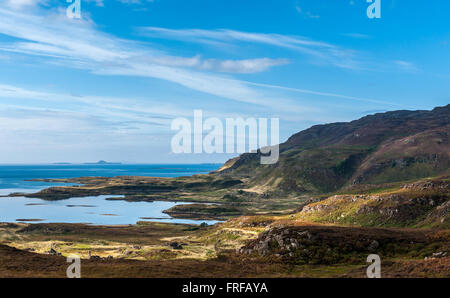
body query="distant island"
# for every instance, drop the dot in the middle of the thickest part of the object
(102, 162)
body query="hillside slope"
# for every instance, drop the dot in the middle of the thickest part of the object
(382, 148)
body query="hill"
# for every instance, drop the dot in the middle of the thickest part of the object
(390, 147)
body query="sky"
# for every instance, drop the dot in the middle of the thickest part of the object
(107, 86)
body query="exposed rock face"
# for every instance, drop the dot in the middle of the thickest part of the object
(285, 240)
(318, 208)
(53, 252)
(440, 213)
(436, 255)
(331, 244)
(252, 223)
(429, 185)
(128, 252)
(413, 204)
(176, 245)
(399, 208)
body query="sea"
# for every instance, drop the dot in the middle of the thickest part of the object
(90, 210)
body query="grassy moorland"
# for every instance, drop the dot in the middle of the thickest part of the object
(340, 191)
(408, 227)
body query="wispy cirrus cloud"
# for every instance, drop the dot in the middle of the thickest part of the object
(406, 65)
(357, 35)
(77, 43)
(230, 66)
(134, 1)
(306, 13)
(318, 51)
(225, 35)
(19, 4)
(128, 108)
(30, 112)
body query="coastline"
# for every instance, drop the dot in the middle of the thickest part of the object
(79, 187)
(258, 230)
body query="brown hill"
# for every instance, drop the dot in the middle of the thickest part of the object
(381, 148)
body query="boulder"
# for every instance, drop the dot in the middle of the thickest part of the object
(176, 245)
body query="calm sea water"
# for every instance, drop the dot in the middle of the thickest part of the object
(94, 210)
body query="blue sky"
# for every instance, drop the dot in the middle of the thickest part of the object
(108, 85)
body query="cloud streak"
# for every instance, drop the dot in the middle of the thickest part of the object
(228, 66)
(320, 52)
(78, 43)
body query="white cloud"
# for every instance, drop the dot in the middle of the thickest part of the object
(134, 1)
(99, 3)
(230, 66)
(242, 66)
(406, 65)
(201, 36)
(128, 108)
(318, 51)
(19, 4)
(306, 13)
(357, 35)
(77, 43)
(55, 123)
